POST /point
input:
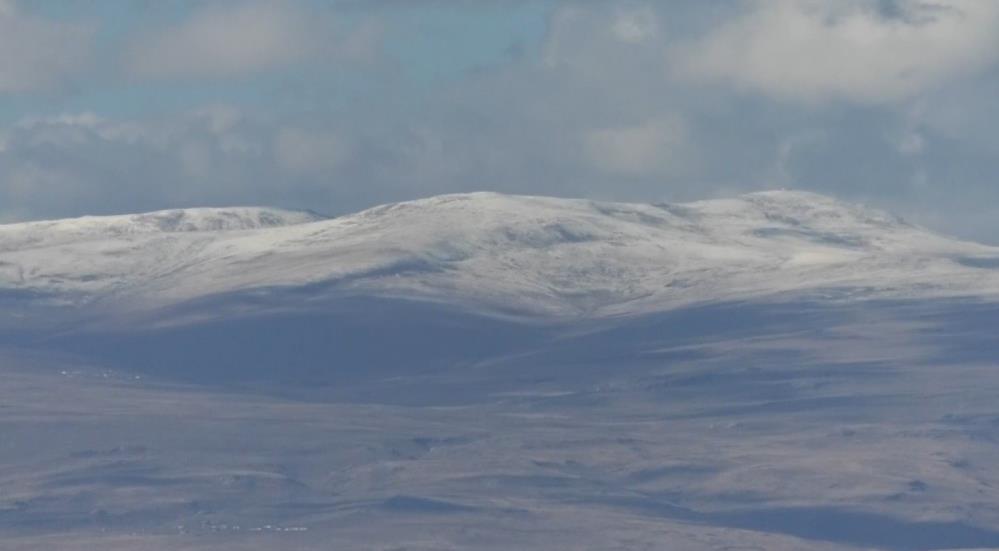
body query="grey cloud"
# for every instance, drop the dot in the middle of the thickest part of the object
(245, 37)
(67, 166)
(598, 112)
(37, 53)
(857, 50)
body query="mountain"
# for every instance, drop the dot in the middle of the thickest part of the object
(486, 252)
(779, 370)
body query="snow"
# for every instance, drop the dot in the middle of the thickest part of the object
(492, 252)
(786, 409)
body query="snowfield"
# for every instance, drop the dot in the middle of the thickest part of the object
(779, 371)
(490, 252)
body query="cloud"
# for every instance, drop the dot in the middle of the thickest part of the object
(653, 147)
(818, 50)
(635, 26)
(587, 37)
(227, 39)
(593, 109)
(911, 143)
(309, 151)
(39, 54)
(82, 163)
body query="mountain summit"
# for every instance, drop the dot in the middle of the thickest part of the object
(537, 256)
(779, 368)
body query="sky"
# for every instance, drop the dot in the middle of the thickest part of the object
(114, 106)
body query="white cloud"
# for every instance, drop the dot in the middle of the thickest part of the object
(226, 40)
(911, 143)
(37, 53)
(816, 50)
(635, 26)
(306, 151)
(646, 149)
(597, 37)
(70, 129)
(592, 112)
(79, 163)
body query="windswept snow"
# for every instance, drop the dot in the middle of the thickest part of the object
(487, 251)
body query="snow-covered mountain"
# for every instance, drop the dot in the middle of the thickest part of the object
(499, 253)
(778, 371)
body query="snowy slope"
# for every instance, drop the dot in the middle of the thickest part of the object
(708, 376)
(492, 252)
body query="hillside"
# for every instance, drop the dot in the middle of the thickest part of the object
(779, 370)
(496, 253)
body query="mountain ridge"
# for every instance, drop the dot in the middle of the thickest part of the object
(278, 216)
(491, 251)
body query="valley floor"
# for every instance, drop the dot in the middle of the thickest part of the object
(876, 429)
